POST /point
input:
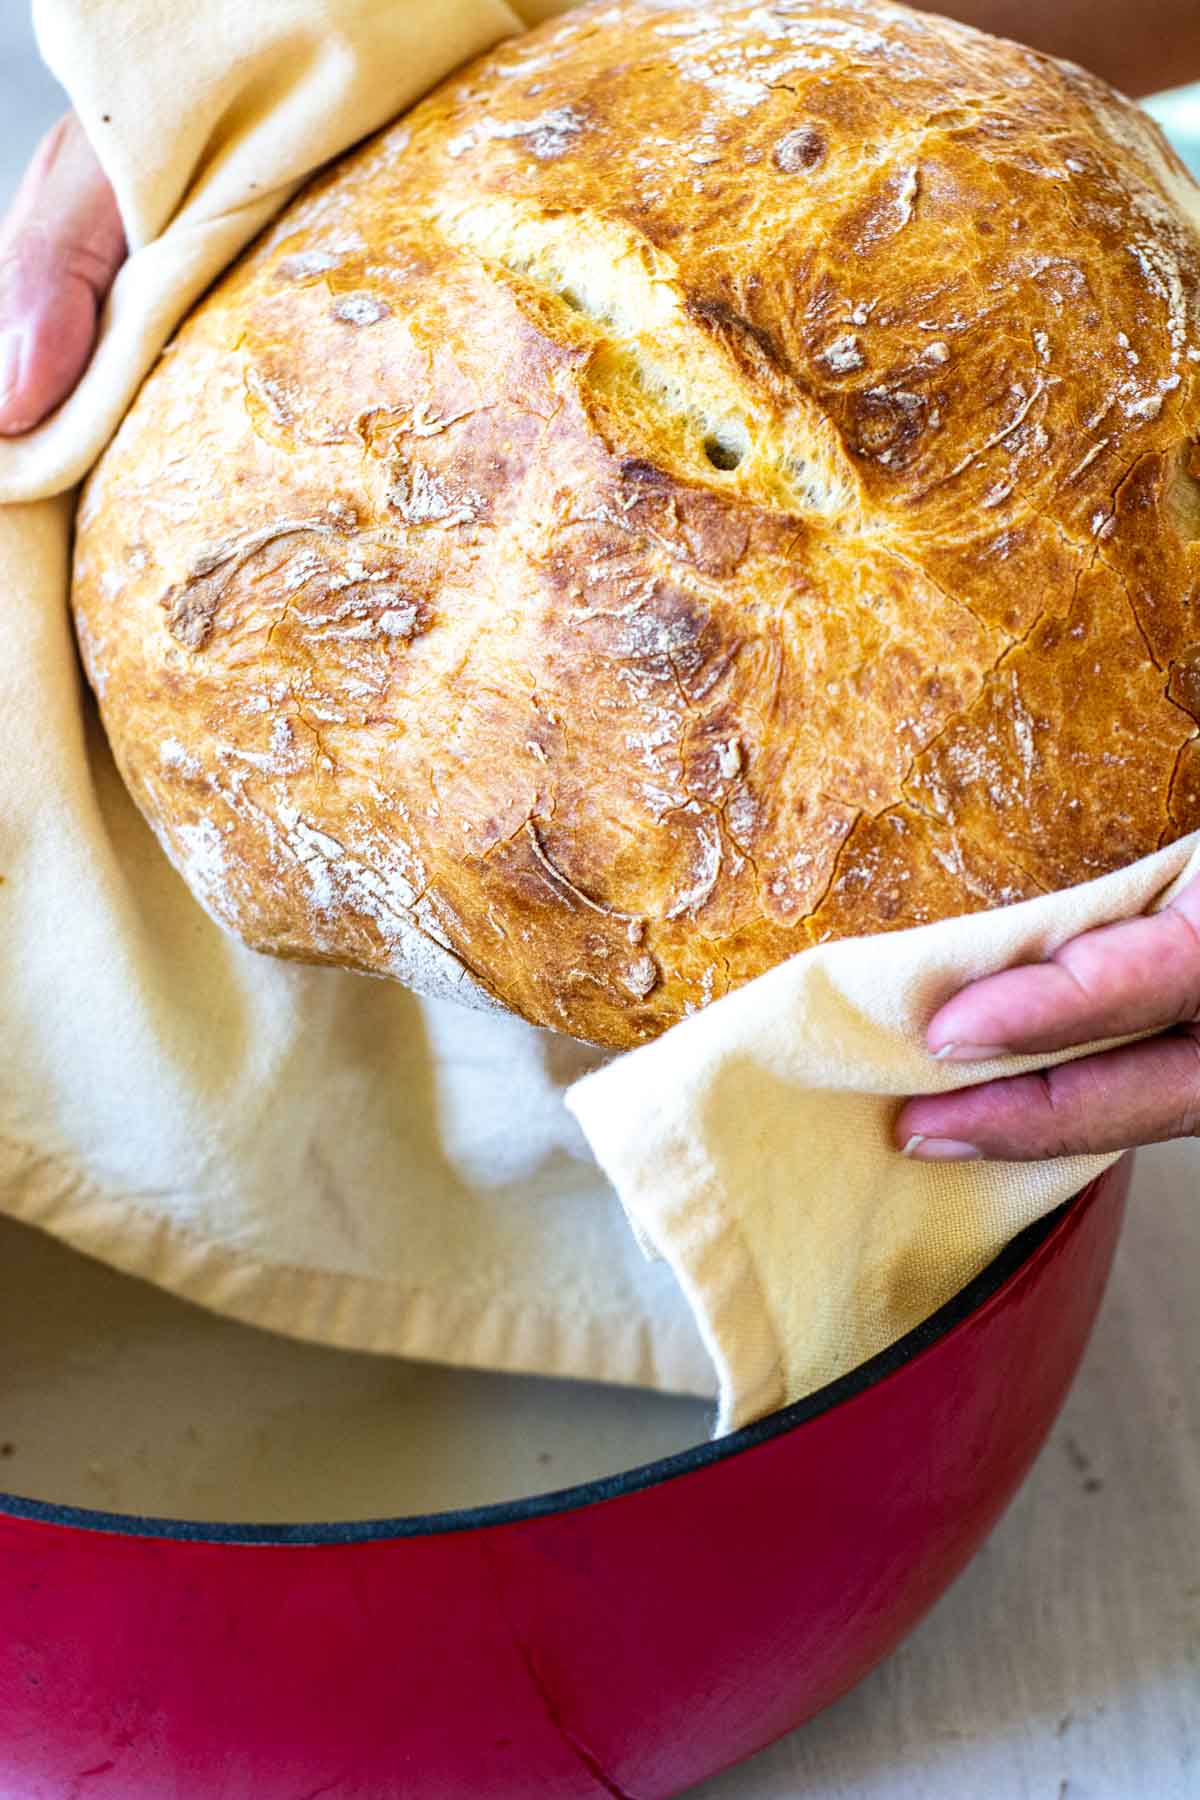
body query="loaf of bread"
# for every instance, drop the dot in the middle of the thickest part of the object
(711, 479)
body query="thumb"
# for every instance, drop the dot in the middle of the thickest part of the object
(61, 245)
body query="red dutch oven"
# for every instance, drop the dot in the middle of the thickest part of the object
(626, 1637)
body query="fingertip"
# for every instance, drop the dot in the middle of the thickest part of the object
(906, 1130)
(955, 1024)
(43, 353)
(1008, 1013)
(959, 1116)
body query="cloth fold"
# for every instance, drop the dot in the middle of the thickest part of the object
(333, 1157)
(752, 1144)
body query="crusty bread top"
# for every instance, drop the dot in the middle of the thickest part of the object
(709, 480)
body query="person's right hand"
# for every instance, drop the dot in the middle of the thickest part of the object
(61, 245)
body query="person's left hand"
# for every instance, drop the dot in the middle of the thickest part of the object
(1141, 975)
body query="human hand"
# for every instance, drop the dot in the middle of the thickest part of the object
(1140, 975)
(61, 245)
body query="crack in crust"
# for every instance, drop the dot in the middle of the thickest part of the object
(192, 605)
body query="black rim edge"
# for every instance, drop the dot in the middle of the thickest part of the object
(590, 1493)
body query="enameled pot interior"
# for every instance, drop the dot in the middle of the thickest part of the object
(122, 1408)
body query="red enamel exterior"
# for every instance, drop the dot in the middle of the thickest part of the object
(630, 1646)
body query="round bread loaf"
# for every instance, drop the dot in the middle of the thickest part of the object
(710, 480)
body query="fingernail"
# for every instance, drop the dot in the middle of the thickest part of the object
(936, 1149)
(970, 1052)
(12, 350)
(12, 344)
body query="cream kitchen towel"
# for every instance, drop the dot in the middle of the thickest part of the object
(330, 1156)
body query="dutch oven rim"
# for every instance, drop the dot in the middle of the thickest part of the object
(970, 1300)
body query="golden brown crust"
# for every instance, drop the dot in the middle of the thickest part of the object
(709, 480)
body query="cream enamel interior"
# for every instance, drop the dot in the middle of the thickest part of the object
(120, 1397)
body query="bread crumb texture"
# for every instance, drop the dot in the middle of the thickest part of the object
(710, 480)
